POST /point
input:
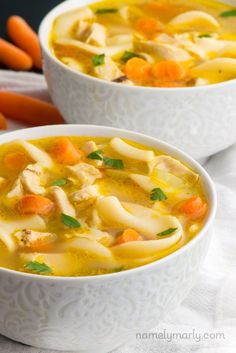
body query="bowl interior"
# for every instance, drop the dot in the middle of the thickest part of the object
(44, 35)
(103, 131)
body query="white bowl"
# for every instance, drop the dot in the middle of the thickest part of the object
(97, 314)
(199, 120)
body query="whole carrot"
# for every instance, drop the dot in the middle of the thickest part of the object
(24, 37)
(29, 110)
(14, 57)
(3, 122)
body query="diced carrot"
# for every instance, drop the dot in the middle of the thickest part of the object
(27, 109)
(137, 69)
(15, 160)
(35, 204)
(3, 122)
(14, 57)
(25, 38)
(194, 207)
(64, 152)
(128, 235)
(149, 26)
(168, 71)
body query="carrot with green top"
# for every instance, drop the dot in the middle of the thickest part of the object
(63, 151)
(25, 38)
(35, 204)
(13, 57)
(15, 161)
(29, 110)
(127, 236)
(194, 208)
(137, 69)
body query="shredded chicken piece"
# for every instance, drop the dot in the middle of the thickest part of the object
(96, 35)
(30, 178)
(86, 193)
(29, 238)
(108, 71)
(82, 30)
(89, 147)
(85, 173)
(62, 201)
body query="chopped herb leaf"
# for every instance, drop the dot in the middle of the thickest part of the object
(109, 162)
(228, 13)
(98, 59)
(204, 35)
(106, 10)
(113, 163)
(69, 221)
(60, 182)
(38, 267)
(129, 55)
(157, 194)
(167, 232)
(96, 155)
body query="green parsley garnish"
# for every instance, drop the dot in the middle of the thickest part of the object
(204, 35)
(38, 267)
(60, 182)
(106, 10)
(96, 155)
(113, 163)
(167, 232)
(69, 221)
(157, 195)
(129, 55)
(109, 162)
(98, 59)
(228, 13)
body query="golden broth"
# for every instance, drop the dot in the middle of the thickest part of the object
(143, 43)
(99, 206)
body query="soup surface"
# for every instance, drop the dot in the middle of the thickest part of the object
(74, 206)
(158, 43)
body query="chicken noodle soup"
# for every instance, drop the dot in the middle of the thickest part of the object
(74, 206)
(158, 43)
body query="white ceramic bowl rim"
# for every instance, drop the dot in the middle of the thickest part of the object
(59, 130)
(44, 42)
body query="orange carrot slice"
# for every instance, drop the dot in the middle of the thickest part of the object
(29, 110)
(128, 235)
(14, 57)
(149, 26)
(35, 204)
(137, 69)
(194, 207)
(168, 71)
(3, 122)
(15, 161)
(64, 152)
(25, 38)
